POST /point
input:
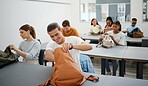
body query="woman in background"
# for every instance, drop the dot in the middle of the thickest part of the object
(95, 28)
(28, 50)
(108, 25)
(118, 38)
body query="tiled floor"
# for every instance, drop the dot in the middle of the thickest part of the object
(130, 68)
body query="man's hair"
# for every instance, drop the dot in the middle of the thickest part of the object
(134, 19)
(66, 23)
(52, 26)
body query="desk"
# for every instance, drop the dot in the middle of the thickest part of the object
(128, 39)
(108, 53)
(25, 74)
(90, 37)
(139, 54)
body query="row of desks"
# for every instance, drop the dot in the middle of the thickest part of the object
(121, 53)
(96, 37)
(25, 74)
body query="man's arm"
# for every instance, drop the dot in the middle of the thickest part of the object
(49, 56)
(83, 46)
(125, 31)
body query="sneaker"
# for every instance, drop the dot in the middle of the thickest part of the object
(108, 73)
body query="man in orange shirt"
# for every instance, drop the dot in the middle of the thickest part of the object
(67, 30)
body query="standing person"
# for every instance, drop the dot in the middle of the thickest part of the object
(108, 25)
(85, 60)
(67, 30)
(95, 28)
(118, 38)
(29, 48)
(71, 43)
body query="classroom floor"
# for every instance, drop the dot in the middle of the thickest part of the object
(130, 68)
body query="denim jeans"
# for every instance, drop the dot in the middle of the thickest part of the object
(115, 63)
(86, 64)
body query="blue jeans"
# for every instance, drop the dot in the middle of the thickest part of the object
(86, 64)
(115, 63)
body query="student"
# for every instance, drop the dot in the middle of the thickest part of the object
(85, 60)
(71, 43)
(67, 30)
(108, 25)
(119, 39)
(95, 27)
(130, 28)
(29, 48)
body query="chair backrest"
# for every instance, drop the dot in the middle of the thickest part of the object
(144, 43)
(41, 57)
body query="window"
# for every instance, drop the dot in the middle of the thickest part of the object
(100, 9)
(145, 10)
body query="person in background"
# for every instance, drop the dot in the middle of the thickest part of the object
(130, 28)
(108, 25)
(72, 43)
(119, 40)
(85, 60)
(67, 30)
(29, 49)
(95, 28)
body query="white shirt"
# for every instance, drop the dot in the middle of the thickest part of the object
(119, 37)
(73, 40)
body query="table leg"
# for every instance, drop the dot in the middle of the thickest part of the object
(139, 70)
(121, 67)
(103, 66)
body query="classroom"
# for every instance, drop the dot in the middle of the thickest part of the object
(36, 32)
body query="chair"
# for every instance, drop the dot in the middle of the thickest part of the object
(144, 43)
(42, 61)
(41, 57)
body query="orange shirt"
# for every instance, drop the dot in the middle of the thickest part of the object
(72, 32)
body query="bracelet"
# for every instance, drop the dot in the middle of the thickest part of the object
(71, 46)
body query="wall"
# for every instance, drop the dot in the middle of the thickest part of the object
(38, 13)
(83, 27)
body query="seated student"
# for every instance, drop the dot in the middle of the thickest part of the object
(119, 39)
(28, 50)
(130, 28)
(85, 60)
(95, 28)
(67, 30)
(75, 44)
(108, 25)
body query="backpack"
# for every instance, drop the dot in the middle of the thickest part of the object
(136, 33)
(107, 41)
(7, 57)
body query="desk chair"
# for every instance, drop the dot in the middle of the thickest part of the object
(41, 58)
(144, 43)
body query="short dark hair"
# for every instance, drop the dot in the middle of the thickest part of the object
(66, 23)
(52, 26)
(134, 19)
(117, 23)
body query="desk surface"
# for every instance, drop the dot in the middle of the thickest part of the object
(116, 51)
(25, 74)
(136, 53)
(96, 37)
